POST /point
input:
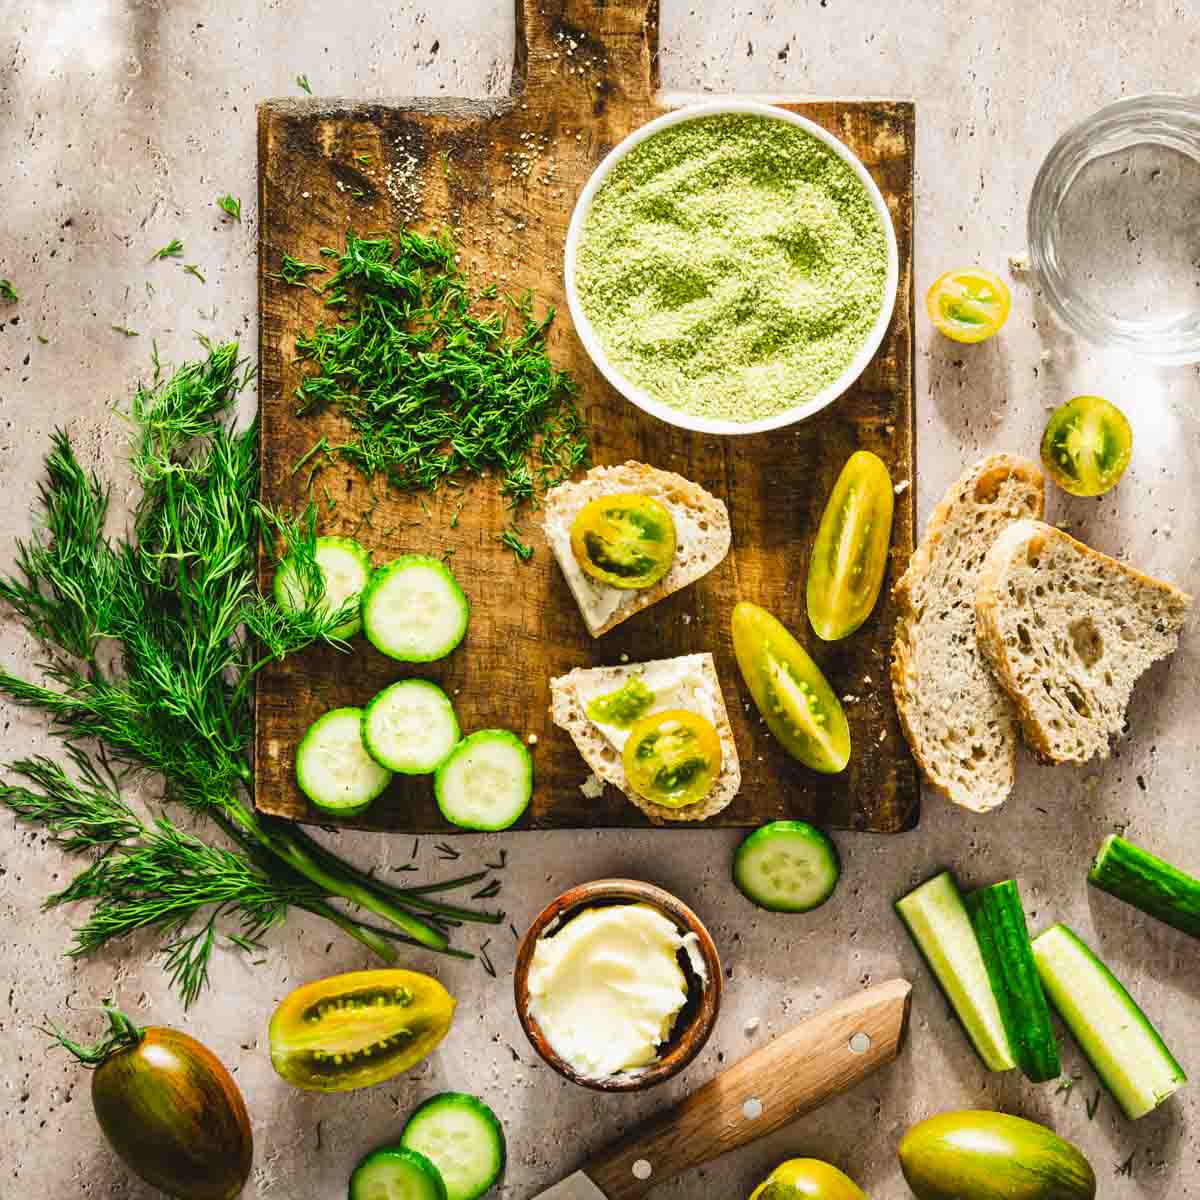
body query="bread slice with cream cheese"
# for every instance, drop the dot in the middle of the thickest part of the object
(689, 682)
(1068, 632)
(702, 537)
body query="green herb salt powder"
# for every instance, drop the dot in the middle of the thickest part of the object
(732, 266)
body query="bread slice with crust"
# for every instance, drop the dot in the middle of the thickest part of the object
(568, 703)
(958, 721)
(702, 537)
(1068, 631)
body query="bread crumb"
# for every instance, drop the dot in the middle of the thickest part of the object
(624, 658)
(1018, 264)
(592, 787)
(532, 739)
(687, 618)
(752, 1026)
(902, 487)
(849, 699)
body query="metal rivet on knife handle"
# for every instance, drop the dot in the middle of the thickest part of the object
(860, 1042)
(752, 1109)
(642, 1169)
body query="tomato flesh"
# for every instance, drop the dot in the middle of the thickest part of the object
(624, 540)
(792, 695)
(1087, 446)
(353, 1030)
(968, 304)
(849, 557)
(672, 758)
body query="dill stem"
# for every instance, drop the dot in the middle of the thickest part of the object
(373, 939)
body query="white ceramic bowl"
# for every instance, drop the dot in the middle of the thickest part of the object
(639, 396)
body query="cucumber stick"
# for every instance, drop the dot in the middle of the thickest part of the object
(937, 919)
(1000, 929)
(1122, 1045)
(1139, 878)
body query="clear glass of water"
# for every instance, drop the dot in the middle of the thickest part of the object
(1114, 227)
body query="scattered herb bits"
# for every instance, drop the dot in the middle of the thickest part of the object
(231, 206)
(173, 249)
(8, 291)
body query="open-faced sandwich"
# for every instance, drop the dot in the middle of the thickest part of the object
(627, 536)
(658, 731)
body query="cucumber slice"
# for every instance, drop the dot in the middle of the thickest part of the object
(333, 767)
(345, 568)
(413, 609)
(410, 727)
(461, 1136)
(396, 1174)
(787, 866)
(1111, 1030)
(1149, 883)
(937, 919)
(999, 922)
(486, 782)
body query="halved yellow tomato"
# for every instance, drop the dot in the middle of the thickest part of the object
(796, 702)
(850, 555)
(672, 758)
(807, 1179)
(1087, 446)
(350, 1031)
(968, 304)
(624, 540)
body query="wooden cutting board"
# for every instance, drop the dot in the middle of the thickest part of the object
(504, 176)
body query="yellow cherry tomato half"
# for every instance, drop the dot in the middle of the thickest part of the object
(795, 699)
(353, 1030)
(672, 758)
(968, 304)
(1087, 446)
(849, 557)
(624, 540)
(807, 1179)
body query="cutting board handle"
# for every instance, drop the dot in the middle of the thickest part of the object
(795, 1073)
(596, 47)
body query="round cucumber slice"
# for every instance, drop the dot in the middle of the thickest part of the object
(396, 1174)
(486, 782)
(413, 609)
(345, 567)
(410, 727)
(333, 767)
(461, 1136)
(787, 866)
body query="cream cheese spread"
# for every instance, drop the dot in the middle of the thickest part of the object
(605, 989)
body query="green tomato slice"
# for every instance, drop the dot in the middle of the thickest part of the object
(792, 695)
(849, 557)
(1087, 446)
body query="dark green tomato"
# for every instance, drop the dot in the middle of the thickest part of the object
(978, 1155)
(1087, 446)
(175, 1116)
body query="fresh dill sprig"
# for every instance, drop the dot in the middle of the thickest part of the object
(154, 643)
(295, 273)
(173, 249)
(231, 206)
(434, 388)
(363, 160)
(8, 291)
(303, 84)
(129, 333)
(511, 537)
(192, 269)
(42, 340)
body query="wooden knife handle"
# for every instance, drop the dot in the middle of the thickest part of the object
(795, 1073)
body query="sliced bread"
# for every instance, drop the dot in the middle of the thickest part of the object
(958, 721)
(570, 695)
(1068, 631)
(702, 537)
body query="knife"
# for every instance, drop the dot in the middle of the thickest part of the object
(797, 1072)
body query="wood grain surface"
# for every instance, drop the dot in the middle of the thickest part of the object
(503, 175)
(793, 1075)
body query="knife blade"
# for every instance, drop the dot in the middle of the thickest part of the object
(822, 1057)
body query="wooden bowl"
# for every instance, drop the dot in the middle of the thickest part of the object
(695, 1021)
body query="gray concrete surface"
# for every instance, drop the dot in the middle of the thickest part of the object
(120, 121)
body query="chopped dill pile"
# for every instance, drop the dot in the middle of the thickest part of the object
(435, 387)
(294, 273)
(173, 249)
(8, 291)
(231, 206)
